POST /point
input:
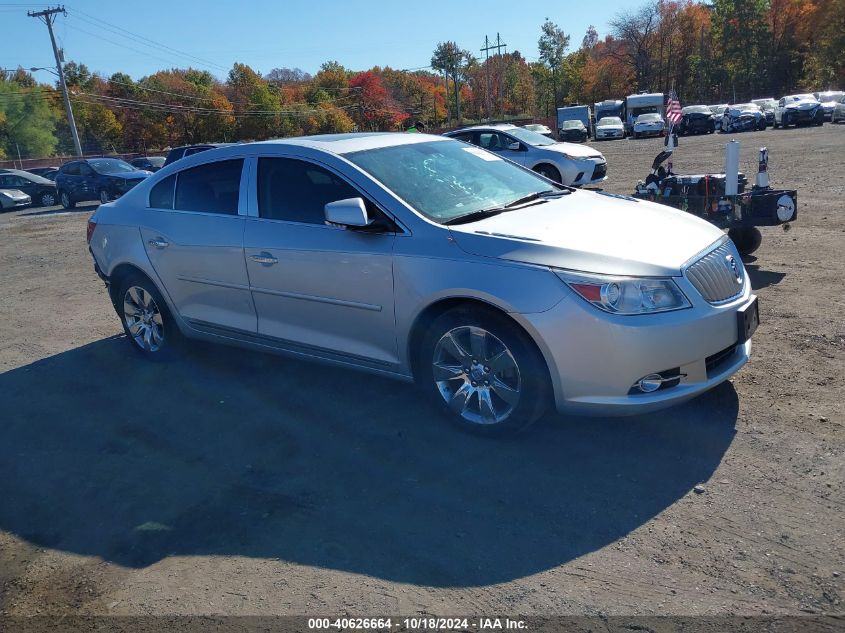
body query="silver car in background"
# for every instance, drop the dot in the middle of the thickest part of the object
(13, 199)
(567, 163)
(423, 258)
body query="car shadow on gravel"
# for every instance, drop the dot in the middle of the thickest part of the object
(763, 278)
(80, 208)
(231, 452)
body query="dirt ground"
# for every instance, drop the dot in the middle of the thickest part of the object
(231, 482)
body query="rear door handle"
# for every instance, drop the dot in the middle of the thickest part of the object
(159, 243)
(265, 258)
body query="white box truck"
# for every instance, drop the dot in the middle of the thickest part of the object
(642, 103)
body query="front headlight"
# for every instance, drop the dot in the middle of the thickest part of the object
(626, 295)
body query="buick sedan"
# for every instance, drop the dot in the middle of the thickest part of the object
(427, 259)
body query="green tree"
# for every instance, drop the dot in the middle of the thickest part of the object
(27, 120)
(552, 45)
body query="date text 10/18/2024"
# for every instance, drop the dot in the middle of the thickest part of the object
(416, 624)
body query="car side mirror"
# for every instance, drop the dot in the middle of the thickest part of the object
(350, 212)
(514, 147)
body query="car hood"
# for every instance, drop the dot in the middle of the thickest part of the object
(801, 105)
(592, 232)
(13, 194)
(697, 115)
(138, 174)
(572, 149)
(650, 123)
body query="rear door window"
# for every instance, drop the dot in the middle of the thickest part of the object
(71, 170)
(161, 195)
(210, 188)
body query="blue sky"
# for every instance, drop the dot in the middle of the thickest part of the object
(143, 36)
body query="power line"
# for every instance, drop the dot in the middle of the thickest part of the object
(145, 41)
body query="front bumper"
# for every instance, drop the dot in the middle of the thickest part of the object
(591, 171)
(596, 358)
(648, 131)
(17, 203)
(609, 134)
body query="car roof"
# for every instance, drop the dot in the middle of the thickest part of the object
(19, 172)
(354, 141)
(491, 126)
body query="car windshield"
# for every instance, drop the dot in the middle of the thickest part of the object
(746, 107)
(718, 109)
(647, 118)
(610, 120)
(529, 137)
(110, 165)
(444, 180)
(831, 96)
(568, 125)
(156, 161)
(801, 98)
(696, 110)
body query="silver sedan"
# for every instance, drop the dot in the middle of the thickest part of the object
(423, 258)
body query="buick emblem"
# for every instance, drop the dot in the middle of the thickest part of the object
(734, 268)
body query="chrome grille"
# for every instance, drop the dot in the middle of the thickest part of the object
(714, 276)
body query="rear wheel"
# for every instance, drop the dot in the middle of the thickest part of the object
(549, 172)
(47, 199)
(488, 375)
(66, 200)
(747, 240)
(145, 318)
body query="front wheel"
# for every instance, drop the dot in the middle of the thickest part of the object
(547, 171)
(104, 196)
(747, 240)
(146, 319)
(66, 200)
(488, 375)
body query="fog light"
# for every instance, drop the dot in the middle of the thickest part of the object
(650, 383)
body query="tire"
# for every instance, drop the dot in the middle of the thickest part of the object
(105, 198)
(636, 135)
(150, 329)
(501, 398)
(47, 199)
(549, 172)
(747, 240)
(66, 200)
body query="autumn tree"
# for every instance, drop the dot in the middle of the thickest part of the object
(552, 45)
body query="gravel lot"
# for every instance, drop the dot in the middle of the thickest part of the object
(239, 483)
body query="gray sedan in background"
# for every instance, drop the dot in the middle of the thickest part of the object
(423, 258)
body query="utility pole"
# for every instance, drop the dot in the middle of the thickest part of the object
(486, 51)
(48, 16)
(499, 45)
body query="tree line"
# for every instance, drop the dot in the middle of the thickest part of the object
(722, 51)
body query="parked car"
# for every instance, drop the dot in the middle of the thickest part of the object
(567, 163)
(189, 150)
(797, 110)
(100, 179)
(650, 124)
(13, 199)
(41, 190)
(572, 131)
(148, 163)
(696, 119)
(768, 107)
(422, 258)
(838, 112)
(717, 112)
(45, 172)
(610, 127)
(545, 130)
(743, 117)
(829, 100)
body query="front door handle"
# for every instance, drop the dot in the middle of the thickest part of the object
(265, 258)
(159, 243)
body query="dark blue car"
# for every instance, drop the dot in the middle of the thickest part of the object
(102, 179)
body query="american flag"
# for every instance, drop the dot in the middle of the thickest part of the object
(673, 108)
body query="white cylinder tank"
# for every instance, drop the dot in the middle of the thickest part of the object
(731, 168)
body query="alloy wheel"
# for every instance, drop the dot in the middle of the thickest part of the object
(143, 319)
(48, 200)
(477, 375)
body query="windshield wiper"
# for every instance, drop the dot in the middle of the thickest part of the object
(475, 215)
(510, 206)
